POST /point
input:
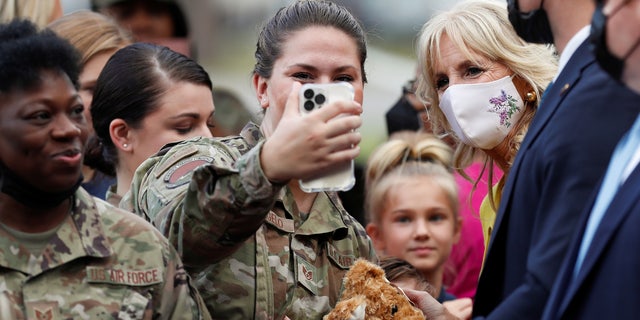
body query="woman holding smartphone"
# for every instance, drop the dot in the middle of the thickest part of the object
(255, 243)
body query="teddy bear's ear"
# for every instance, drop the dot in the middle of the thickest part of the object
(368, 269)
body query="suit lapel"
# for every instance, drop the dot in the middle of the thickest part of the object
(565, 82)
(620, 207)
(555, 95)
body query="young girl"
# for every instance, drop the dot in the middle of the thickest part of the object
(412, 204)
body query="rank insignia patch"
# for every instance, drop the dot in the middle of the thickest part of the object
(180, 173)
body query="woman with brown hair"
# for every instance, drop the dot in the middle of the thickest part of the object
(96, 37)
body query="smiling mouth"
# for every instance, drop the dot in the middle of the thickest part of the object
(69, 153)
(70, 157)
(422, 249)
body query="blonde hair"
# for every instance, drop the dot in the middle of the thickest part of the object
(482, 27)
(407, 154)
(91, 33)
(37, 11)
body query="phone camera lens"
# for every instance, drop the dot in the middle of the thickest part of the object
(309, 105)
(308, 93)
(320, 99)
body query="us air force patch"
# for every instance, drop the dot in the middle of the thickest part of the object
(179, 174)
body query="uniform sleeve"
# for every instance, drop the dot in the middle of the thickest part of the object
(224, 208)
(365, 246)
(180, 300)
(204, 201)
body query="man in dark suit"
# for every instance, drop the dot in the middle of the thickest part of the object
(564, 154)
(599, 279)
(405, 113)
(559, 165)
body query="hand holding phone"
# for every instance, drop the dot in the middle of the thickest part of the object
(315, 96)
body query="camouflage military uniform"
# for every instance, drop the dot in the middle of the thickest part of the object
(112, 197)
(242, 238)
(102, 263)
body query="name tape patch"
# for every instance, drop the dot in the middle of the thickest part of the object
(122, 276)
(343, 260)
(280, 223)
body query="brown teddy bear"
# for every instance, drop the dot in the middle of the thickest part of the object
(369, 295)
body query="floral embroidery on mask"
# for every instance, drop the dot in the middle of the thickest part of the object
(505, 106)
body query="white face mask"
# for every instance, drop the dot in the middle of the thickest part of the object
(482, 114)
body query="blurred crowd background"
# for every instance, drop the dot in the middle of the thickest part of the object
(223, 34)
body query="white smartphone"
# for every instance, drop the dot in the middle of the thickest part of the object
(312, 97)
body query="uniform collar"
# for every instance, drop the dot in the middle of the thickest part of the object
(81, 234)
(325, 216)
(326, 212)
(112, 196)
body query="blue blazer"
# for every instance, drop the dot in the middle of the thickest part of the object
(563, 156)
(608, 284)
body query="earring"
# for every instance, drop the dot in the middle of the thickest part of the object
(530, 96)
(124, 145)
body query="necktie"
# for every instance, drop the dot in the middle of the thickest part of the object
(612, 181)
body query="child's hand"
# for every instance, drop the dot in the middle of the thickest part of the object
(431, 308)
(460, 308)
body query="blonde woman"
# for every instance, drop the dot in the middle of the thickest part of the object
(96, 37)
(485, 84)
